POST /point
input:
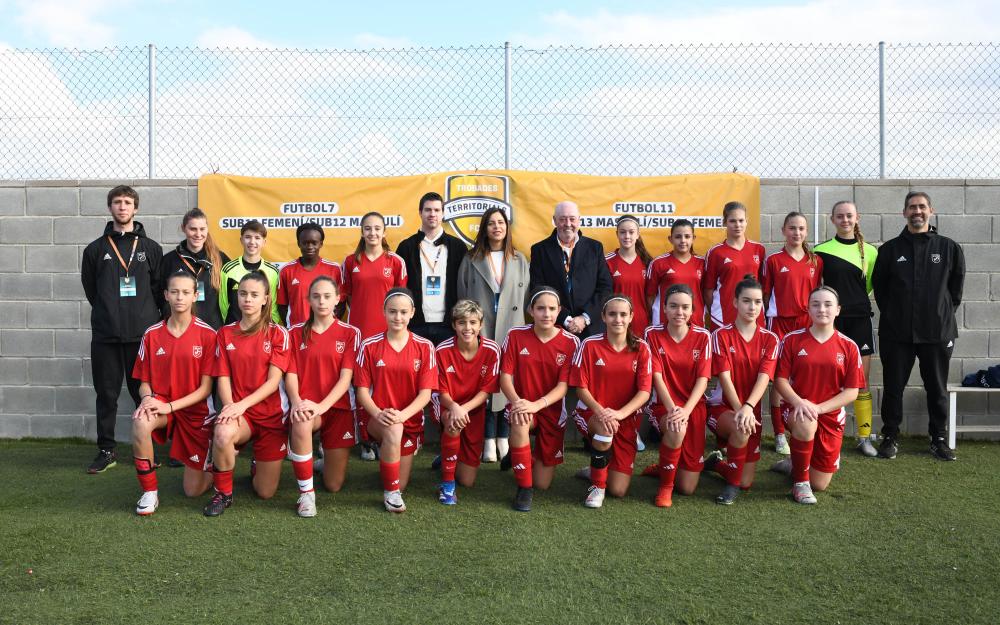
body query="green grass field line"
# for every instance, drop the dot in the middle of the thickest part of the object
(906, 541)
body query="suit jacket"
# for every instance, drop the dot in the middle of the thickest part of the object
(586, 285)
(409, 250)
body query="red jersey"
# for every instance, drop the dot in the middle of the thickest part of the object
(319, 362)
(366, 282)
(612, 377)
(538, 367)
(724, 267)
(818, 371)
(462, 379)
(744, 360)
(294, 281)
(396, 378)
(666, 271)
(245, 359)
(788, 283)
(681, 364)
(630, 279)
(173, 365)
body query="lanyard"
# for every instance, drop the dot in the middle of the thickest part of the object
(497, 275)
(196, 273)
(135, 244)
(432, 265)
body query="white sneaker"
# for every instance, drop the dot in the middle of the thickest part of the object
(781, 445)
(639, 445)
(367, 453)
(867, 448)
(307, 504)
(503, 447)
(148, 503)
(802, 492)
(393, 500)
(583, 474)
(490, 450)
(595, 497)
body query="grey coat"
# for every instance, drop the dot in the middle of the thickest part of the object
(475, 282)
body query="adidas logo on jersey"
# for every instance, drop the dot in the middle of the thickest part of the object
(600, 362)
(161, 352)
(194, 458)
(408, 443)
(295, 280)
(106, 256)
(732, 350)
(450, 369)
(379, 363)
(617, 273)
(559, 454)
(356, 270)
(727, 261)
(347, 436)
(803, 352)
(230, 347)
(524, 352)
(283, 447)
(671, 270)
(901, 259)
(784, 270)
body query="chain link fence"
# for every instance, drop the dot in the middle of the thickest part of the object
(860, 111)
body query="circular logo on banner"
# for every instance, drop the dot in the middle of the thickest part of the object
(467, 197)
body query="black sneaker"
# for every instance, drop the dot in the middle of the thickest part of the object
(522, 500)
(105, 459)
(436, 463)
(218, 504)
(728, 495)
(941, 451)
(505, 463)
(888, 448)
(712, 461)
(174, 463)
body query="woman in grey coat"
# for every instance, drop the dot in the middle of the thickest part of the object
(496, 275)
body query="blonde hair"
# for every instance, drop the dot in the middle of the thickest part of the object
(467, 308)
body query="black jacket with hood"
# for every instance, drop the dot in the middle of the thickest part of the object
(116, 319)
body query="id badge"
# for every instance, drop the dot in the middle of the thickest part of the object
(201, 291)
(496, 303)
(432, 286)
(126, 286)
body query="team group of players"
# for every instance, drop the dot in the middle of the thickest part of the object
(371, 378)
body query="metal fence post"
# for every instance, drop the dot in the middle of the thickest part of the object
(881, 109)
(506, 105)
(151, 116)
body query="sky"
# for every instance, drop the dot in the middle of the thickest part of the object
(89, 24)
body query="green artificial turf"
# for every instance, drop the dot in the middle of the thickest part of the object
(912, 540)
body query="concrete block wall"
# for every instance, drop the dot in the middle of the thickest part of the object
(45, 375)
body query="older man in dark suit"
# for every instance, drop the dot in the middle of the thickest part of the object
(574, 265)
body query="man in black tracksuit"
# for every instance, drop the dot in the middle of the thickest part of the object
(918, 280)
(119, 274)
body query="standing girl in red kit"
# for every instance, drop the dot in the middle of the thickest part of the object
(726, 263)
(534, 375)
(679, 266)
(252, 355)
(819, 372)
(318, 385)
(369, 273)
(744, 356)
(468, 374)
(395, 375)
(628, 265)
(682, 364)
(175, 365)
(613, 375)
(790, 274)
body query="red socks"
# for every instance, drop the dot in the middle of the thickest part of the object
(801, 456)
(146, 473)
(223, 481)
(599, 477)
(668, 465)
(520, 462)
(450, 445)
(304, 474)
(736, 457)
(776, 421)
(390, 475)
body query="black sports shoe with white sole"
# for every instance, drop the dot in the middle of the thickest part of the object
(941, 451)
(218, 504)
(105, 459)
(888, 448)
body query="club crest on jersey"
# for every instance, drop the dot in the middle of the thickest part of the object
(756, 258)
(141, 257)
(935, 258)
(812, 272)
(560, 359)
(840, 359)
(196, 351)
(635, 365)
(484, 371)
(387, 272)
(696, 353)
(416, 364)
(267, 347)
(340, 346)
(699, 274)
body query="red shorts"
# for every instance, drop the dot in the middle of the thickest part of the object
(829, 437)
(549, 434)
(783, 325)
(753, 444)
(473, 435)
(338, 429)
(191, 441)
(413, 434)
(623, 443)
(693, 447)
(269, 443)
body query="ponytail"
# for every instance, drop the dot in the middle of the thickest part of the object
(861, 249)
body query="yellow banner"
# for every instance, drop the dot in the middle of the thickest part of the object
(338, 204)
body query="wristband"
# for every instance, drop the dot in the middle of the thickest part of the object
(171, 404)
(752, 407)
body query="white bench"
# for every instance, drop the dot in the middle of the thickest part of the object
(953, 427)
